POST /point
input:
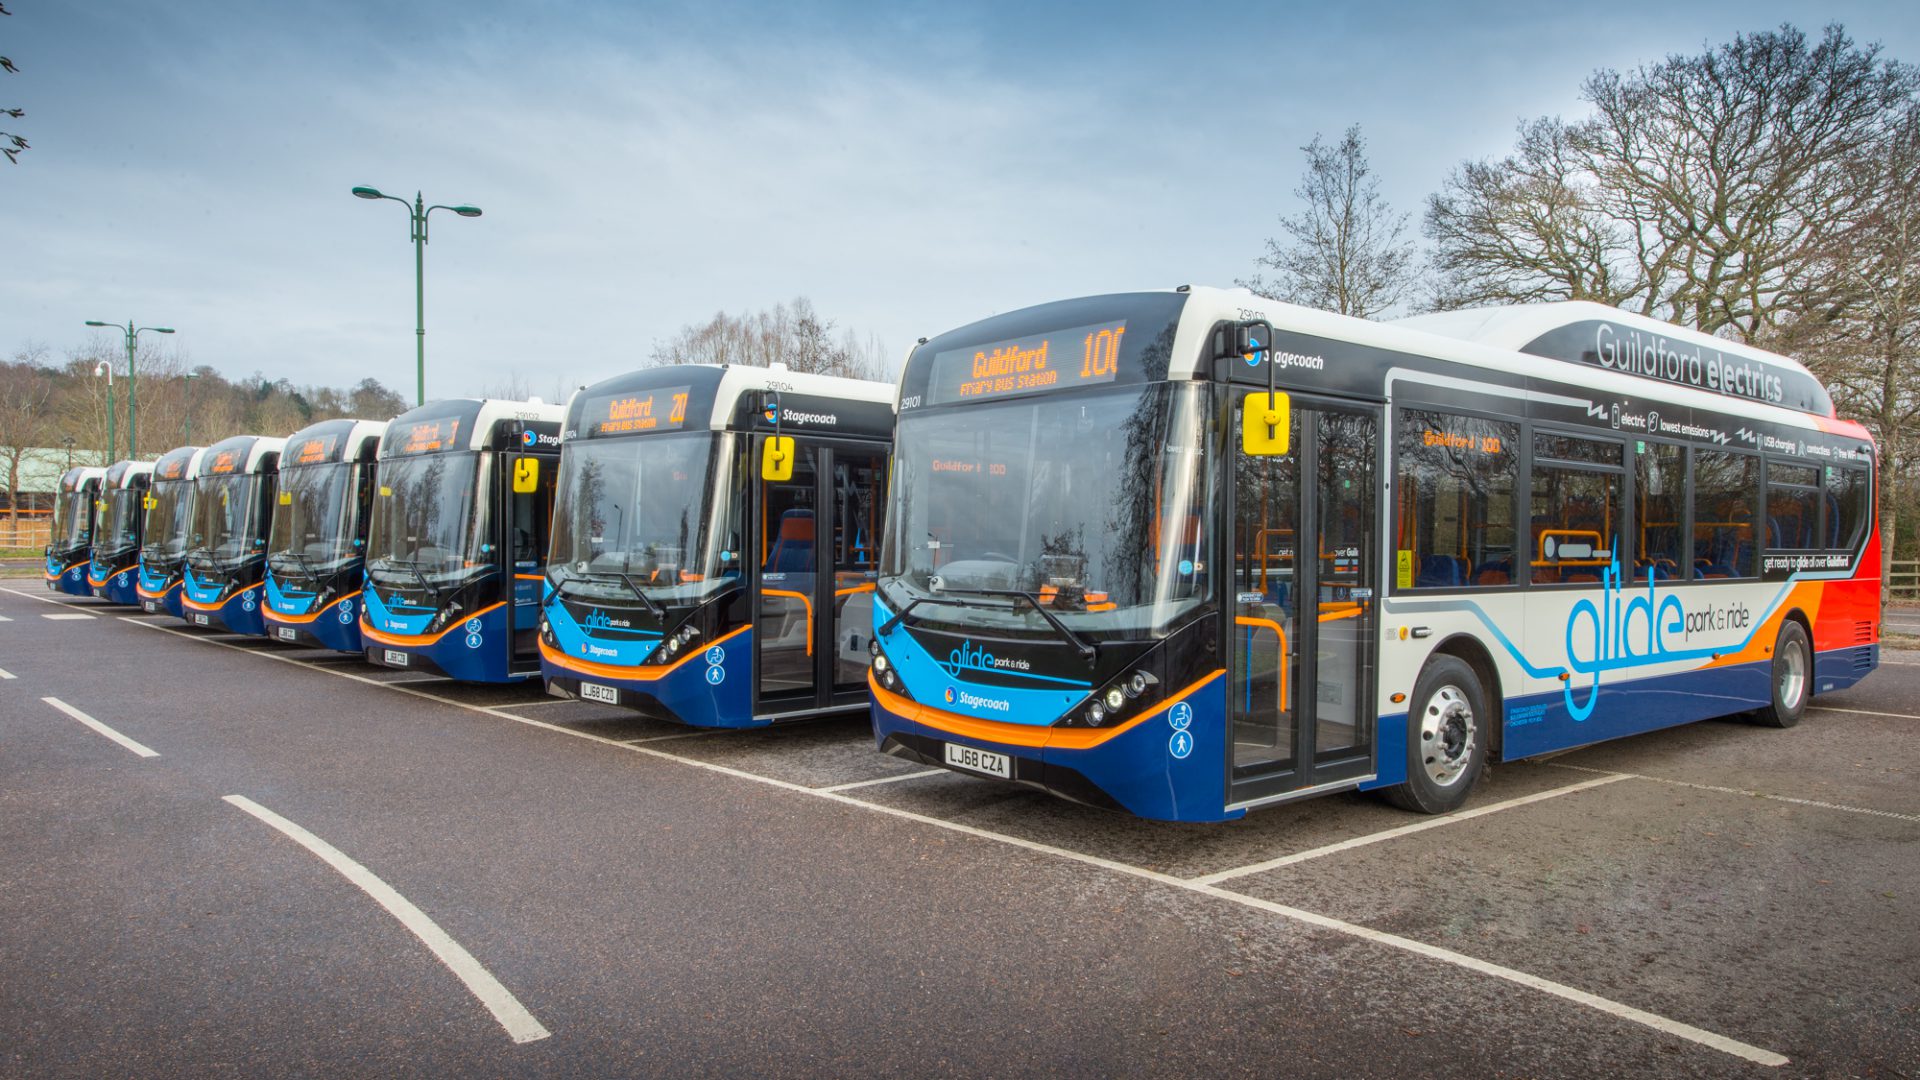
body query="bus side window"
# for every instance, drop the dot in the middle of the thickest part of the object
(1455, 509)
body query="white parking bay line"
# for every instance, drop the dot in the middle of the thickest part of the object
(100, 727)
(1862, 712)
(5, 674)
(1404, 830)
(1752, 794)
(57, 616)
(513, 1016)
(1665, 1025)
(4, 618)
(885, 780)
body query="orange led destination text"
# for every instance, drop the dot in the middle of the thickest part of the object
(1485, 445)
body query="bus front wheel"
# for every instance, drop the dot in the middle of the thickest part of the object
(1446, 738)
(1792, 677)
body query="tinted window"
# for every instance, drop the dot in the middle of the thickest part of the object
(1793, 507)
(1725, 488)
(1454, 508)
(1848, 497)
(1660, 486)
(1576, 519)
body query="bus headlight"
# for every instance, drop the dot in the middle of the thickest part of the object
(887, 674)
(1115, 698)
(880, 664)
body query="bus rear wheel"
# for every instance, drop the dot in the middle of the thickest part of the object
(1446, 738)
(1792, 677)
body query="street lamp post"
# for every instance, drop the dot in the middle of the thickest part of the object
(189, 407)
(104, 367)
(68, 439)
(417, 220)
(133, 382)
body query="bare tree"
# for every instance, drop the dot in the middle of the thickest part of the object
(26, 390)
(792, 334)
(11, 144)
(1347, 251)
(1868, 347)
(1703, 189)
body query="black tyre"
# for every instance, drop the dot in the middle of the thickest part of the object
(1447, 733)
(1792, 678)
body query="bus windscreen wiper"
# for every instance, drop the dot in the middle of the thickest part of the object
(658, 611)
(1085, 648)
(414, 569)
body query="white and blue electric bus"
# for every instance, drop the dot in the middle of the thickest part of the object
(70, 542)
(714, 543)
(1187, 553)
(458, 539)
(166, 530)
(113, 571)
(233, 494)
(316, 554)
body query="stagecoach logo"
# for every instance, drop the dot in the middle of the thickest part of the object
(534, 438)
(771, 412)
(528, 438)
(949, 695)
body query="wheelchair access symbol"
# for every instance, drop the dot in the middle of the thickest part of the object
(1181, 717)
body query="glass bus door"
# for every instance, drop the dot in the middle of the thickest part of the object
(1305, 606)
(819, 541)
(529, 519)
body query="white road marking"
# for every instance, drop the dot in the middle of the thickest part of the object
(103, 729)
(1394, 834)
(513, 1016)
(4, 618)
(666, 738)
(36, 596)
(1863, 712)
(5, 674)
(1662, 1024)
(885, 780)
(60, 615)
(1815, 803)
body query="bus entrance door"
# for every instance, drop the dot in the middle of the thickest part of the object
(819, 543)
(1304, 607)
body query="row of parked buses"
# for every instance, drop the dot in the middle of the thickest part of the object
(1177, 553)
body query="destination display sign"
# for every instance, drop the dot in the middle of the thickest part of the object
(635, 412)
(315, 449)
(173, 466)
(428, 436)
(1055, 360)
(225, 461)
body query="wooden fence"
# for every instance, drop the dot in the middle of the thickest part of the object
(1904, 580)
(28, 532)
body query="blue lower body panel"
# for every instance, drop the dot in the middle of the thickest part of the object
(477, 650)
(709, 688)
(1168, 765)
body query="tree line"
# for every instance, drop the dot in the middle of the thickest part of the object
(44, 402)
(1765, 189)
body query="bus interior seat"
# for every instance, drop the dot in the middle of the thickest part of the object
(793, 546)
(1441, 571)
(1494, 573)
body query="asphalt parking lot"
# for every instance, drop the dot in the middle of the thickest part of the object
(219, 856)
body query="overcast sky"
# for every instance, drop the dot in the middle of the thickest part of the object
(643, 166)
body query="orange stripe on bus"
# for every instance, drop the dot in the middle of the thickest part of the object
(1027, 735)
(275, 616)
(416, 639)
(635, 673)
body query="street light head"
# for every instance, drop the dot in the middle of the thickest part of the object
(100, 368)
(368, 193)
(161, 329)
(466, 211)
(95, 322)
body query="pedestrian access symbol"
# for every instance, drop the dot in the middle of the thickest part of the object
(1181, 744)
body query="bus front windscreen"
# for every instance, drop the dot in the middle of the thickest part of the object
(168, 519)
(72, 525)
(226, 520)
(316, 519)
(120, 529)
(429, 525)
(1095, 504)
(652, 513)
